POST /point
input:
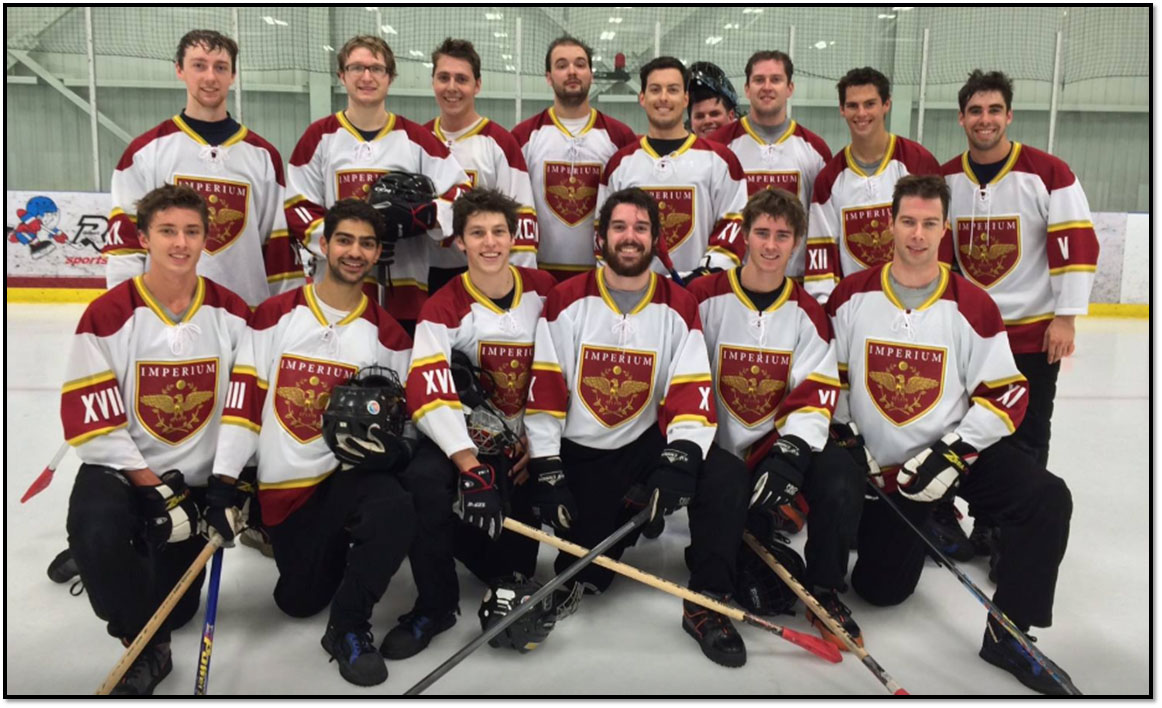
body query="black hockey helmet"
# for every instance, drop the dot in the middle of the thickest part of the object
(407, 202)
(533, 627)
(372, 398)
(758, 588)
(707, 78)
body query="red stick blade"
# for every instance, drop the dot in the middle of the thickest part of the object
(901, 692)
(38, 485)
(815, 645)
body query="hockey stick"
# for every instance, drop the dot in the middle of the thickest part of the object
(45, 478)
(1046, 663)
(202, 680)
(531, 603)
(813, 605)
(154, 622)
(815, 645)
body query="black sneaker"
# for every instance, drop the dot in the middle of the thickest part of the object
(839, 612)
(359, 662)
(716, 636)
(152, 665)
(944, 529)
(414, 632)
(63, 568)
(1002, 650)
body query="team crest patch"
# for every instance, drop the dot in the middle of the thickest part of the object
(355, 184)
(615, 384)
(175, 399)
(867, 234)
(227, 204)
(760, 180)
(752, 382)
(905, 380)
(571, 190)
(988, 248)
(676, 211)
(509, 366)
(302, 389)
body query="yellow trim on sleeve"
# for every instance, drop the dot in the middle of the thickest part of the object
(242, 423)
(1004, 382)
(1029, 320)
(416, 363)
(999, 413)
(825, 380)
(805, 409)
(719, 249)
(690, 378)
(1073, 269)
(424, 410)
(86, 437)
(243, 370)
(87, 381)
(691, 418)
(1066, 225)
(546, 366)
(556, 414)
(285, 276)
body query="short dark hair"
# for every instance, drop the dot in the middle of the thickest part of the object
(356, 210)
(483, 201)
(862, 77)
(371, 43)
(979, 81)
(170, 196)
(923, 186)
(663, 63)
(630, 195)
(566, 40)
(769, 54)
(457, 49)
(212, 41)
(775, 203)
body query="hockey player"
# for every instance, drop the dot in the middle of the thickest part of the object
(699, 186)
(848, 228)
(565, 147)
(775, 383)
(489, 315)
(931, 396)
(143, 396)
(237, 172)
(713, 100)
(340, 157)
(487, 152)
(774, 150)
(339, 533)
(620, 404)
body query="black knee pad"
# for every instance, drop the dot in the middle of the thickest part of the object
(879, 589)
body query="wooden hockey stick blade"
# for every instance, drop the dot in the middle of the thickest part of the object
(815, 645)
(45, 478)
(818, 610)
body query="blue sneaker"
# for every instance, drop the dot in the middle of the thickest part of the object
(414, 633)
(1002, 650)
(359, 662)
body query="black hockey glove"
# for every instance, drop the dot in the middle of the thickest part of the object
(779, 476)
(635, 500)
(676, 475)
(168, 510)
(934, 473)
(847, 437)
(552, 501)
(223, 510)
(479, 503)
(382, 450)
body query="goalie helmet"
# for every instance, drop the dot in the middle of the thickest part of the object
(759, 589)
(708, 79)
(371, 399)
(407, 203)
(486, 425)
(504, 597)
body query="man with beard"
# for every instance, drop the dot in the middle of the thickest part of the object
(699, 186)
(339, 532)
(565, 147)
(621, 404)
(713, 100)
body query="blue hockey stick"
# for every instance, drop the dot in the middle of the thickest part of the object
(202, 681)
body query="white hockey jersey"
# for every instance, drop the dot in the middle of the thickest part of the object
(700, 189)
(289, 360)
(601, 377)
(792, 163)
(461, 318)
(909, 377)
(850, 224)
(246, 250)
(492, 159)
(144, 391)
(1027, 238)
(332, 161)
(773, 369)
(565, 170)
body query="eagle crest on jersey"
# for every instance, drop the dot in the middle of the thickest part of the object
(989, 248)
(508, 364)
(571, 190)
(752, 382)
(355, 184)
(676, 211)
(615, 384)
(905, 380)
(867, 234)
(226, 202)
(175, 399)
(302, 389)
(759, 180)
